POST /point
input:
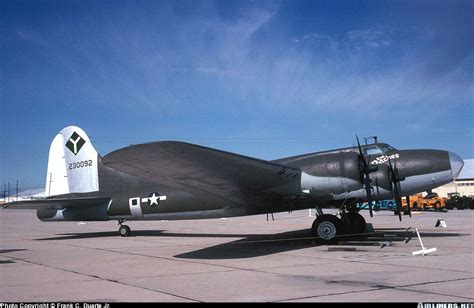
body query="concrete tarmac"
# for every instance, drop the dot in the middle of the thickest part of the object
(235, 259)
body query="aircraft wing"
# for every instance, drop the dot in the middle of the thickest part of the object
(201, 170)
(57, 204)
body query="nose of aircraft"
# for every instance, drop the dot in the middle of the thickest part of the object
(456, 164)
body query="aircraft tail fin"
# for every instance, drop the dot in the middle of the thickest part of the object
(72, 164)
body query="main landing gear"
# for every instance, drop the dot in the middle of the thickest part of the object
(124, 230)
(327, 227)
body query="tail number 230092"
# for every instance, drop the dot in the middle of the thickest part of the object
(80, 164)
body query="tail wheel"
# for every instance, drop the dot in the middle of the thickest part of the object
(124, 231)
(354, 223)
(326, 227)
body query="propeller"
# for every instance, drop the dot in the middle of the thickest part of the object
(395, 187)
(365, 169)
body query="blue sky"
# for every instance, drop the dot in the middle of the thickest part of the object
(262, 78)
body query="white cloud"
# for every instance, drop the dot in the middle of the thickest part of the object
(373, 38)
(304, 79)
(187, 62)
(32, 37)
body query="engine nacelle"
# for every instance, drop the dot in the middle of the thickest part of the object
(331, 173)
(380, 179)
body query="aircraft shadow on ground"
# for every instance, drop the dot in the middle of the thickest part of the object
(11, 250)
(261, 245)
(136, 233)
(255, 245)
(8, 251)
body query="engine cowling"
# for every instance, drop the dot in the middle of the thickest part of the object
(331, 173)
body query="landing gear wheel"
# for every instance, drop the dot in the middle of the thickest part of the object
(355, 223)
(124, 231)
(326, 227)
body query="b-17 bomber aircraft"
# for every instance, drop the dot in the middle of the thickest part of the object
(169, 180)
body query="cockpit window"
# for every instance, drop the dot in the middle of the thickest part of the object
(378, 149)
(373, 151)
(386, 148)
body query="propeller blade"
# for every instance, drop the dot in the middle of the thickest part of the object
(408, 205)
(364, 162)
(369, 200)
(395, 187)
(368, 189)
(365, 177)
(358, 144)
(399, 207)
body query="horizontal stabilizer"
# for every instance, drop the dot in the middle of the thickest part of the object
(58, 204)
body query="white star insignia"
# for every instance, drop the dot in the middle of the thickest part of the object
(153, 199)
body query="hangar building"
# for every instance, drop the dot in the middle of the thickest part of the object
(464, 185)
